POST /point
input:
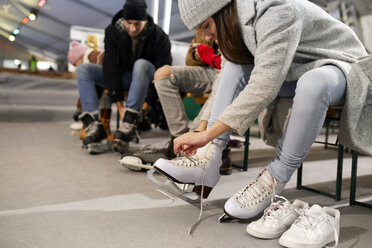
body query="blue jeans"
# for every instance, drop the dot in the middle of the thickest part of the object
(136, 81)
(314, 92)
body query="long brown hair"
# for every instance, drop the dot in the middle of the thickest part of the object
(229, 35)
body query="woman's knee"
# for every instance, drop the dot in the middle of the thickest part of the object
(163, 72)
(313, 85)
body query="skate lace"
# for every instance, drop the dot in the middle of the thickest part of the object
(310, 221)
(255, 192)
(196, 224)
(276, 209)
(92, 128)
(126, 127)
(189, 161)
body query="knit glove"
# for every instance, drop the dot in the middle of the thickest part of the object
(208, 56)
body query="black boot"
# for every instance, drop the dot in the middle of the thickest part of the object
(226, 167)
(126, 132)
(95, 131)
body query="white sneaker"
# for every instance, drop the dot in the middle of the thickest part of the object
(202, 168)
(253, 198)
(316, 227)
(277, 218)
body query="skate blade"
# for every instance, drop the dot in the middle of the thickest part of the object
(98, 147)
(120, 146)
(175, 190)
(134, 163)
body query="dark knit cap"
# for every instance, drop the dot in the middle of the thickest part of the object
(135, 10)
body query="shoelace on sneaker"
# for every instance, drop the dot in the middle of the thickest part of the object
(308, 221)
(255, 192)
(277, 208)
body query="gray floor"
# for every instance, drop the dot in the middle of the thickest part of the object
(54, 194)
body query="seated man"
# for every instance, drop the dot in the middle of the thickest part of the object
(134, 48)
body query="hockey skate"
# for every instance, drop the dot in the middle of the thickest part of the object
(95, 141)
(143, 159)
(126, 132)
(199, 172)
(146, 156)
(98, 147)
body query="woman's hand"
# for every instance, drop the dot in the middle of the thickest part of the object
(188, 143)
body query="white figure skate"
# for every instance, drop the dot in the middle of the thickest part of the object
(200, 172)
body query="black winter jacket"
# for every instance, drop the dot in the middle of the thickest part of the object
(154, 46)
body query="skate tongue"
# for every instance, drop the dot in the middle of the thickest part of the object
(316, 209)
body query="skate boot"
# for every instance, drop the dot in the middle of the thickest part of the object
(253, 198)
(96, 139)
(146, 156)
(126, 132)
(200, 169)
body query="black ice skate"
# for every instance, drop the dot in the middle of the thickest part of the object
(144, 158)
(126, 132)
(95, 141)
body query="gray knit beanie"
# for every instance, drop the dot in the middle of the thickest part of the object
(193, 12)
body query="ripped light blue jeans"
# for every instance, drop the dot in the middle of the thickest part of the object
(136, 81)
(312, 94)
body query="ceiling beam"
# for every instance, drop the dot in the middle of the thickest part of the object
(82, 3)
(43, 14)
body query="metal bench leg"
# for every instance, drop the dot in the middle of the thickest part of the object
(340, 160)
(353, 178)
(353, 182)
(246, 150)
(337, 195)
(299, 177)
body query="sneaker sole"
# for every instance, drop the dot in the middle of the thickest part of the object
(261, 235)
(291, 244)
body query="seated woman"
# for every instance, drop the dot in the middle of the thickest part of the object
(295, 42)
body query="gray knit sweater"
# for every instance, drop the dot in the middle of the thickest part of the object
(287, 39)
